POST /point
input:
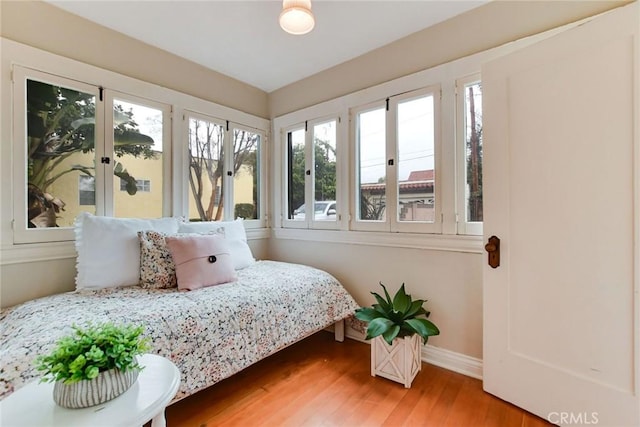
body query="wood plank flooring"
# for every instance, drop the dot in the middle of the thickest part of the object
(320, 382)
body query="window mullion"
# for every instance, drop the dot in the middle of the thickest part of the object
(309, 174)
(105, 149)
(228, 173)
(392, 165)
(167, 187)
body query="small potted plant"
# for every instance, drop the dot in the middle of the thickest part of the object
(93, 364)
(396, 326)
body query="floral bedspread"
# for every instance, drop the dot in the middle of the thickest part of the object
(210, 334)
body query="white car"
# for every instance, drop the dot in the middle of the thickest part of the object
(323, 211)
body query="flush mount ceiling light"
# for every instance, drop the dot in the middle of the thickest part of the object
(296, 17)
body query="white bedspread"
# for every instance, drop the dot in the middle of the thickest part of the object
(210, 334)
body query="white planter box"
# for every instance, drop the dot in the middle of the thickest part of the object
(399, 362)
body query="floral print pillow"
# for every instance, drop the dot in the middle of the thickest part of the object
(157, 269)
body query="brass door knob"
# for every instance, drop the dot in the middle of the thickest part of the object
(493, 249)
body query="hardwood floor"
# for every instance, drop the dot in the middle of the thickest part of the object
(320, 382)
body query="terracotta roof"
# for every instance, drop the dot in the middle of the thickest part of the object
(424, 175)
(417, 181)
(424, 185)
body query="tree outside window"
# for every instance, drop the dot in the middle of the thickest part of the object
(207, 171)
(324, 170)
(61, 138)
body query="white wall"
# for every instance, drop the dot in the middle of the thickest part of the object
(451, 281)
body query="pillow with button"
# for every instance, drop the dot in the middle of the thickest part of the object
(201, 260)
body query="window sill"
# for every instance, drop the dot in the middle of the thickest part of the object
(438, 242)
(258, 233)
(38, 252)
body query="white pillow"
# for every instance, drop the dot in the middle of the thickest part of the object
(109, 251)
(235, 234)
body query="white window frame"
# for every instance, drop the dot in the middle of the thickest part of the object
(228, 180)
(103, 147)
(464, 227)
(110, 97)
(434, 227)
(286, 222)
(309, 221)
(356, 223)
(19, 244)
(311, 179)
(392, 192)
(185, 146)
(445, 75)
(21, 233)
(262, 175)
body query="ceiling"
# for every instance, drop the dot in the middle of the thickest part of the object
(243, 40)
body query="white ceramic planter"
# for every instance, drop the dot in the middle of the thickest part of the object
(399, 362)
(106, 386)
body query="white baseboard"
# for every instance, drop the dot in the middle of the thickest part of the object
(457, 362)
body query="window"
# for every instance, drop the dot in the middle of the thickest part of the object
(412, 168)
(371, 146)
(415, 161)
(56, 129)
(86, 190)
(469, 100)
(396, 148)
(247, 154)
(217, 151)
(312, 175)
(140, 143)
(80, 146)
(141, 185)
(296, 171)
(206, 168)
(69, 158)
(324, 168)
(60, 139)
(416, 154)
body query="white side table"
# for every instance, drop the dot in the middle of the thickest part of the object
(157, 384)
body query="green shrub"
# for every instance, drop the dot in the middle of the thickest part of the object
(94, 349)
(245, 210)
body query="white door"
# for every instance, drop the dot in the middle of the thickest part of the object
(562, 192)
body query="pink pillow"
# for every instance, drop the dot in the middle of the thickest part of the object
(201, 260)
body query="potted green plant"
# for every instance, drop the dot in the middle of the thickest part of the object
(396, 326)
(93, 364)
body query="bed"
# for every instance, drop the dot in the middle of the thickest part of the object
(210, 334)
